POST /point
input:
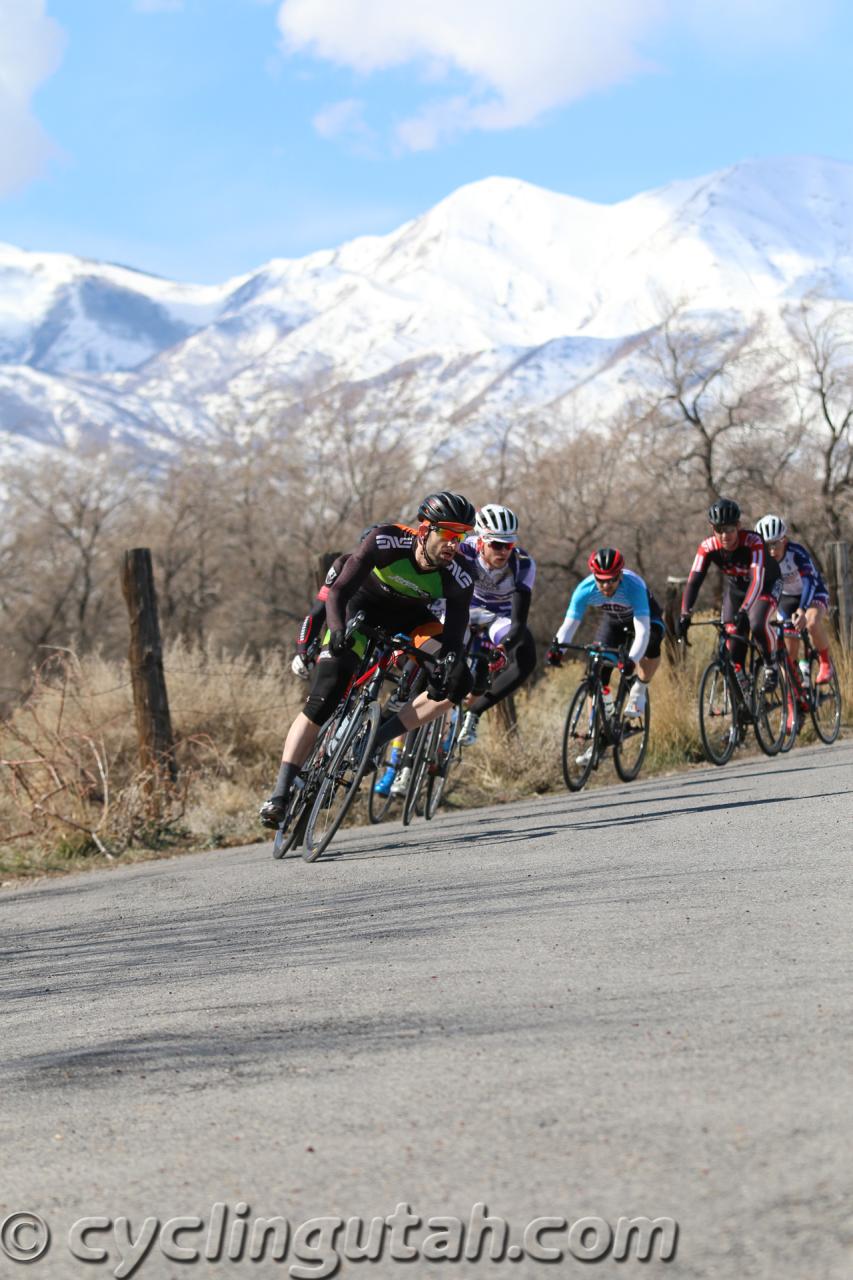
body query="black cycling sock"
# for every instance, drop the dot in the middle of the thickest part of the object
(391, 728)
(284, 781)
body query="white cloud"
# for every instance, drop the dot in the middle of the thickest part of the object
(31, 46)
(342, 120)
(522, 57)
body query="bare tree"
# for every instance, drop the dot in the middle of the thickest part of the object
(822, 387)
(714, 385)
(64, 516)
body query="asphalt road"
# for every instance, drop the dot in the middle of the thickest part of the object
(633, 1002)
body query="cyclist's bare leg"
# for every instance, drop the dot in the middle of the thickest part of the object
(646, 668)
(422, 710)
(816, 623)
(300, 739)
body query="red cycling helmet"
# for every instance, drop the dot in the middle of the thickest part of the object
(606, 562)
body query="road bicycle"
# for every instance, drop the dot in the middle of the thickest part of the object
(437, 750)
(592, 726)
(733, 698)
(381, 803)
(822, 702)
(328, 781)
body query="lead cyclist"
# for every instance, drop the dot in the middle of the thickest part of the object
(391, 578)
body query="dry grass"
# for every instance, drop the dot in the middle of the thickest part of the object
(71, 793)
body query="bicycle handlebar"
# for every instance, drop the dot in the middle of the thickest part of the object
(616, 654)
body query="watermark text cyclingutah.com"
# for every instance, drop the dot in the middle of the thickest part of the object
(316, 1248)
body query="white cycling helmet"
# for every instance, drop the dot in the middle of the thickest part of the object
(771, 528)
(497, 523)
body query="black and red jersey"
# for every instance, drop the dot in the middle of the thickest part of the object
(748, 570)
(383, 571)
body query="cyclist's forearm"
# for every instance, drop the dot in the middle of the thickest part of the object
(455, 624)
(566, 632)
(642, 633)
(520, 610)
(691, 592)
(809, 589)
(311, 624)
(756, 580)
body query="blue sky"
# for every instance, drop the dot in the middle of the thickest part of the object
(199, 138)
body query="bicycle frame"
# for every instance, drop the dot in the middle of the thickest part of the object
(597, 656)
(723, 655)
(727, 694)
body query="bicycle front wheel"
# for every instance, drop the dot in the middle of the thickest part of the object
(632, 742)
(825, 704)
(341, 778)
(446, 756)
(770, 710)
(414, 800)
(718, 726)
(792, 710)
(581, 737)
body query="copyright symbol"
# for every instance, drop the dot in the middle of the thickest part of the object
(24, 1237)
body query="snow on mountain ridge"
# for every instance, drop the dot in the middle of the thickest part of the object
(499, 289)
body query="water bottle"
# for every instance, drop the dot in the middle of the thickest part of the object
(448, 736)
(804, 673)
(743, 682)
(607, 696)
(337, 735)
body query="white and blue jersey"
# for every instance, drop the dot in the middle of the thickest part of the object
(494, 588)
(802, 583)
(630, 603)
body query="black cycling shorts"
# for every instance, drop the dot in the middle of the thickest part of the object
(613, 633)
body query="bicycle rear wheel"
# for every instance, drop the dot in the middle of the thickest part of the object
(581, 737)
(632, 742)
(291, 835)
(291, 830)
(770, 709)
(446, 757)
(718, 721)
(825, 705)
(341, 778)
(414, 800)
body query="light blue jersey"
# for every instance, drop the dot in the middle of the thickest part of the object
(629, 603)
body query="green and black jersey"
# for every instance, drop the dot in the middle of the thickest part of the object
(383, 578)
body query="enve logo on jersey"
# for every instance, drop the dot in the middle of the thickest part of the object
(388, 541)
(464, 579)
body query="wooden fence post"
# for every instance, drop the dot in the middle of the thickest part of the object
(671, 613)
(153, 723)
(841, 588)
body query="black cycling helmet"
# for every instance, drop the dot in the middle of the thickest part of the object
(447, 508)
(723, 511)
(606, 562)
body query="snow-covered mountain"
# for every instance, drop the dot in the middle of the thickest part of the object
(503, 296)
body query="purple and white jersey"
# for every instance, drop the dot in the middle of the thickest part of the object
(493, 588)
(800, 575)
